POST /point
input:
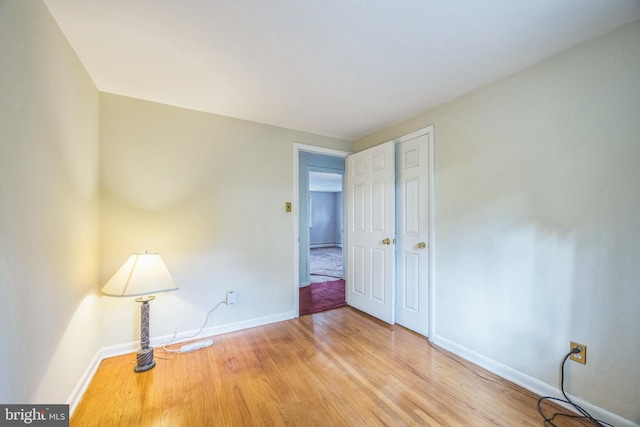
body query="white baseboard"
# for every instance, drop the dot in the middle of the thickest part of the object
(130, 347)
(325, 245)
(223, 329)
(528, 382)
(85, 379)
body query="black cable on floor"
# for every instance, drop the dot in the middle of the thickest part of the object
(584, 414)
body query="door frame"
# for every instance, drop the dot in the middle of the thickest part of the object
(297, 149)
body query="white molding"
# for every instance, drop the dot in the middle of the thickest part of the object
(325, 245)
(83, 383)
(530, 383)
(224, 329)
(320, 150)
(297, 148)
(415, 134)
(120, 349)
(432, 228)
(130, 347)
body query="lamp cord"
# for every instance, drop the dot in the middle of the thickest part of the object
(175, 334)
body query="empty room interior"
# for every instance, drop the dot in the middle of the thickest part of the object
(176, 175)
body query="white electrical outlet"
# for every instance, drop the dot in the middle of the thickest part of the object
(231, 297)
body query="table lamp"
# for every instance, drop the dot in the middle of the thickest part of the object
(142, 274)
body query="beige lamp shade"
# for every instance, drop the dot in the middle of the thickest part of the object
(142, 274)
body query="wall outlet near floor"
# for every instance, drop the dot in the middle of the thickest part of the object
(579, 357)
(231, 297)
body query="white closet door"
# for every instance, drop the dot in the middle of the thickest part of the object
(412, 232)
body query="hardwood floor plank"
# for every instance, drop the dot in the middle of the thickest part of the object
(338, 368)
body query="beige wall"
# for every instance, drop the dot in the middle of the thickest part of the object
(49, 207)
(538, 219)
(208, 193)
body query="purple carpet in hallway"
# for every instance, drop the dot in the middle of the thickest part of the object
(323, 296)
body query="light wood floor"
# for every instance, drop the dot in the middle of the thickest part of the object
(337, 368)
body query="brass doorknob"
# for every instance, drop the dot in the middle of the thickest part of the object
(386, 241)
(422, 245)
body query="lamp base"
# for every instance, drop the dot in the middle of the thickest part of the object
(145, 360)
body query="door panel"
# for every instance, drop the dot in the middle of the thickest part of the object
(411, 195)
(378, 200)
(412, 285)
(412, 233)
(378, 276)
(370, 231)
(357, 276)
(358, 207)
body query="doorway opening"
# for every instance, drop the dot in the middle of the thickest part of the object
(326, 229)
(321, 266)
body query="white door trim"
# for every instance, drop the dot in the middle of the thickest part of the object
(297, 149)
(432, 226)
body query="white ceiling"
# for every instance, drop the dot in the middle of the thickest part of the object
(340, 68)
